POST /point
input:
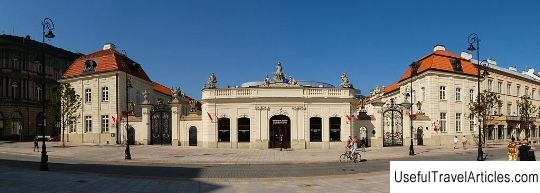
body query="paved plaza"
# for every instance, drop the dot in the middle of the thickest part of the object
(90, 168)
(114, 154)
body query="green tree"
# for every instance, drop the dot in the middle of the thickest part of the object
(486, 109)
(69, 103)
(527, 114)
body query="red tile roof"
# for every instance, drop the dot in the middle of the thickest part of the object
(167, 91)
(107, 61)
(442, 61)
(162, 89)
(391, 88)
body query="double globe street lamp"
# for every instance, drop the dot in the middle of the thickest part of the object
(474, 45)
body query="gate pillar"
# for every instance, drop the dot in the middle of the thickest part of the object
(177, 131)
(145, 131)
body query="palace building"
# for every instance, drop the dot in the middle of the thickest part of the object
(272, 114)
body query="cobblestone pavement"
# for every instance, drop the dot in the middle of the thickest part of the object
(171, 169)
(114, 154)
(14, 180)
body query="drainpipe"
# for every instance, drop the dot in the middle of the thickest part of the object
(117, 114)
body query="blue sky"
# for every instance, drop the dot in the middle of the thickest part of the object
(181, 42)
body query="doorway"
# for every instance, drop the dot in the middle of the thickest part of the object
(192, 136)
(280, 132)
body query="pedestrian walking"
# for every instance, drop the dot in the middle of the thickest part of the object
(512, 156)
(464, 141)
(36, 144)
(523, 151)
(455, 142)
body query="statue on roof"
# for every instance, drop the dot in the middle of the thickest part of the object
(266, 81)
(345, 83)
(176, 94)
(212, 80)
(292, 81)
(278, 75)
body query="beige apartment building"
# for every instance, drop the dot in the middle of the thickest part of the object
(103, 79)
(443, 87)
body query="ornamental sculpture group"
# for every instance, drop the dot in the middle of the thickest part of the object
(279, 80)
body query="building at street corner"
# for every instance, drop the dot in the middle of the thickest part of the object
(21, 79)
(104, 80)
(282, 112)
(443, 86)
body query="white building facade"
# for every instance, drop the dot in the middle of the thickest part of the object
(272, 114)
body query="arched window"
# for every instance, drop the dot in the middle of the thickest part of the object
(335, 129)
(315, 128)
(224, 130)
(243, 129)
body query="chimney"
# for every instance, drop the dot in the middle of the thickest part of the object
(466, 55)
(512, 68)
(492, 62)
(439, 47)
(109, 46)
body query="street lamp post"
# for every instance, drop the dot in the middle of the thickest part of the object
(474, 45)
(414, 67)
(48, 24)
(128, 85)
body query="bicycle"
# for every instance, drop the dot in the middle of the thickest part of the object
(347, 157)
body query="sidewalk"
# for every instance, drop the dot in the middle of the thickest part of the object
(148, 154)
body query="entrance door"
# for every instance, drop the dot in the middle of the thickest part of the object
(280, 132)
(420, 136)
(193, 136)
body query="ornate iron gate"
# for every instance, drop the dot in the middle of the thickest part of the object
(392, 125)
(160, 118)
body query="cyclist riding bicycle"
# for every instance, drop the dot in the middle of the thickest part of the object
(354, 146)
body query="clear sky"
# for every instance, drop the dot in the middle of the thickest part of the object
(179, 43)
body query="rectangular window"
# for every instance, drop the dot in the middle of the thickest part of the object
(87, 124)
(88, 95)
(105, 94)
(508, 88)
(526, 91)
(471, 122)
(442, 92)
(499, 87)
(458, 94)
(72, 127)
(104, 123)
(533, 93)
(335, 129)
(517, 90)
(443, 122)
(423, 94)
(471, 95)
(490, 85)
(517, 109)
(458, 122)
(39, 94)
(509, 109)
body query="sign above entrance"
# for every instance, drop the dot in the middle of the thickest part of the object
(279, 122)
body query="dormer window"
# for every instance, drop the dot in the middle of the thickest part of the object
(456, 65)
(90, 66)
